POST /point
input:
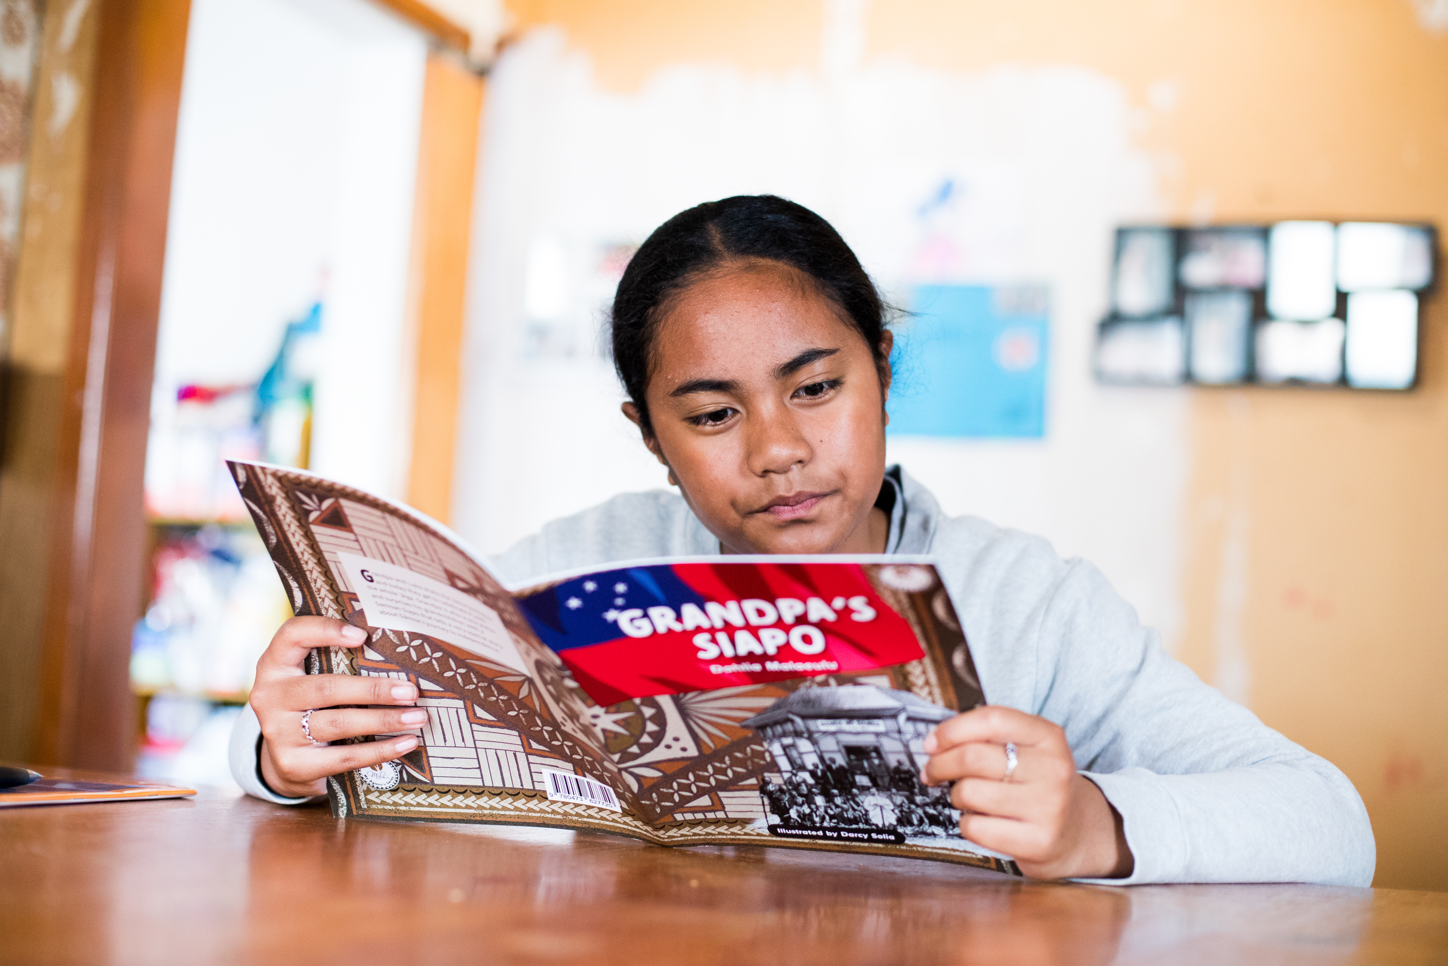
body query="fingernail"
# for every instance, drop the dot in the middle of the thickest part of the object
(929, 743)
(353, 634)
(404, 745)
(414, 717)
(404, 692)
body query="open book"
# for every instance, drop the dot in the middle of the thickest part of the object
(699, 701)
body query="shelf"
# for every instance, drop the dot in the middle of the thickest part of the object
(147, 694)
(240, 523)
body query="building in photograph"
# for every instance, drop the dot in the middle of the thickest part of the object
(851, 757)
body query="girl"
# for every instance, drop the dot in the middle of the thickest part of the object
(753, 349)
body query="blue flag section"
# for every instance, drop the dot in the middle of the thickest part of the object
(585, 611)
(971, 363)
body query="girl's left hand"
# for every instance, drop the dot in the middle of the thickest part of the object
(1054, 821)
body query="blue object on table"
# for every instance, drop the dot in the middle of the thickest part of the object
(12, 777)
(971, 362)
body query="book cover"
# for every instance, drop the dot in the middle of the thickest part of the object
(72, 791)
(722, 700)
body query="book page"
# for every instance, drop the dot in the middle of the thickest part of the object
(507, 738)
(402, 600)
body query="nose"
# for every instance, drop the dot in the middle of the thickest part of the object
(777, 443)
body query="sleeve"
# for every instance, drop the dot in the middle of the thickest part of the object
(524, 559)
(244, 753)
(1206, 791)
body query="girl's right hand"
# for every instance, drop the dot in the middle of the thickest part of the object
(290, 764)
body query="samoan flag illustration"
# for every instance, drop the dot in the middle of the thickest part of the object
(583, 620)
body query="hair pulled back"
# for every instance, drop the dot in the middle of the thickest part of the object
(706, 238)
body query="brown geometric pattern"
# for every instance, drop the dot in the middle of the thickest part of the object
(437, 663)
(744, 762)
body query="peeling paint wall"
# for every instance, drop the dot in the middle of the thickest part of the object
(1292, 545)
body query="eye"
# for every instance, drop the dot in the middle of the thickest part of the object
(815, 390)
(715, 417)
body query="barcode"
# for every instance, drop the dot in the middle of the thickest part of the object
(563, 787)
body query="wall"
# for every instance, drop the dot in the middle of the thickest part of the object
(38, 306)
(1039, 167)
(19, 36)
(1314, 531)
(1289, 543)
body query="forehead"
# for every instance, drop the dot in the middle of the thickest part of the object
(746, 320)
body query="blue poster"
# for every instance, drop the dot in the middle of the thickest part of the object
(970, 362)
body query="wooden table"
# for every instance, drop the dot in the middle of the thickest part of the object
(226, 879)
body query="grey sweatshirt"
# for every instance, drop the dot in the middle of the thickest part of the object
(1206, 792)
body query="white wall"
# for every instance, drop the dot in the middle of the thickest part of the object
(295, 170)
(1047, 168)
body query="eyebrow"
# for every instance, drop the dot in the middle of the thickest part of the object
(805, 358)
(705, 385)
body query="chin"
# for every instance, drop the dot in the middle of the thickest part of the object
(797, 540)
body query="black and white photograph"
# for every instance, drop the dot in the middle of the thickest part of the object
(849, 762)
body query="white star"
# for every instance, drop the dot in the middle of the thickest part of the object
(618, 601)
(589, 586)
(610, 615)
(574, 603)
(620, 587)
(611, 722)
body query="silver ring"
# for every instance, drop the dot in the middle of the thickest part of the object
(1010, 761)
(307, 726)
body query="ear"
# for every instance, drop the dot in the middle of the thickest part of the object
(887, 375)
(650, 440)
(631, 412)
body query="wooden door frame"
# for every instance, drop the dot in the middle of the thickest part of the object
(86, 712)
(452, 104)
(443, 31)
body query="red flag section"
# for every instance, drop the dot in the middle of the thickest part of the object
(747, 625)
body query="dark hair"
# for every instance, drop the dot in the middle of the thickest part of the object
(695, 242)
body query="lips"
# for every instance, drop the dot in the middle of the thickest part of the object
(792, 506)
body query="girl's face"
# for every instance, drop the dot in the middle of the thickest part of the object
(770, 414)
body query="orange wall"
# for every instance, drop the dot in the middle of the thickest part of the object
(1333, 503)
